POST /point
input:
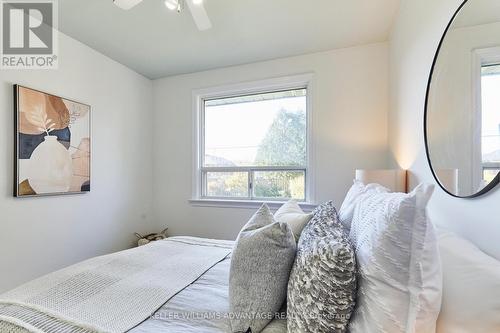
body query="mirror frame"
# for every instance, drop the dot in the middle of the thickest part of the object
(495, 181)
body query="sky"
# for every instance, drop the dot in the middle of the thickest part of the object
(235, 131)
(490, 90)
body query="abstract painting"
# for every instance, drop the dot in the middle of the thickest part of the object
(52, 138)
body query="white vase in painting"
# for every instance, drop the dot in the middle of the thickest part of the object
(50, 169)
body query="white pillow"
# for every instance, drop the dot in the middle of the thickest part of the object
(400, 278)
(291, 214)
(356, 194)
(471, 293)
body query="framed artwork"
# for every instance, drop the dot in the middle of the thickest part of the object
(52, 144)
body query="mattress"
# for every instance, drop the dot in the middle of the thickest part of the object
(200, 307)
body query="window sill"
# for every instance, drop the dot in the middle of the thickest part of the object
(246, 204)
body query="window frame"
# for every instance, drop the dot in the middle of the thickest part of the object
(490, 166)
(302, 81)
(480, 57)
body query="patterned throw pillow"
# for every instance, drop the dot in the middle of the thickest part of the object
(322, 285)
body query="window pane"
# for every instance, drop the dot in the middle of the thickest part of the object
(226, 184)
(490, 174)
(490, 133)
(279, 184)
(256, 130)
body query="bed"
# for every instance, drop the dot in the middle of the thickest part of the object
(207, 296)
(176, 285)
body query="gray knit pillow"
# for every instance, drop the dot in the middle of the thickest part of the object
(322, 285)
(260, 267)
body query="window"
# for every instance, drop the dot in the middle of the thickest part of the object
(253, 143)
(486, 116)
(490, 121)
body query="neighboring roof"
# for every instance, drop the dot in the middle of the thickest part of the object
(492, 157)
(218, 161)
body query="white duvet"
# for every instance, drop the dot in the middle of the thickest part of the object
(200, 308)
(112, 293)
(185, 278)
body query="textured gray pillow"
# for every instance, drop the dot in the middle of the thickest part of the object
(322, 286)
(260, 267)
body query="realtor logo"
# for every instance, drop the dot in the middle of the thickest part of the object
(29, 35)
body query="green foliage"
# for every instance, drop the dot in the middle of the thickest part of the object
(227, 184)
(283, 145)
(285, 141)
(279, 184)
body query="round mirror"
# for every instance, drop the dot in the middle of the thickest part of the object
(462, 116)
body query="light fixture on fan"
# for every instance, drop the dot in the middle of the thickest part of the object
(178, 5)
(126, 4)
(174, 5)
(196, 8)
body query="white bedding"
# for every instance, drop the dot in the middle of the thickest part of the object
(205, 298)
(201, 305)
(112, 293)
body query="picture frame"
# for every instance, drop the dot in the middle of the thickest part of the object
(52, 144)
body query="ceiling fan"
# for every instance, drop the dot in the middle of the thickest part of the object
(196, 8)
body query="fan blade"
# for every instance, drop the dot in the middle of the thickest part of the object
(200, 16)
(126, 4)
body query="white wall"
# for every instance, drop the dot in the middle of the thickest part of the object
(40, 235)
(350, 105)
(416, 35)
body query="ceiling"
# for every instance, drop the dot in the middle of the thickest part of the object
(157, 42)
(478, 12)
